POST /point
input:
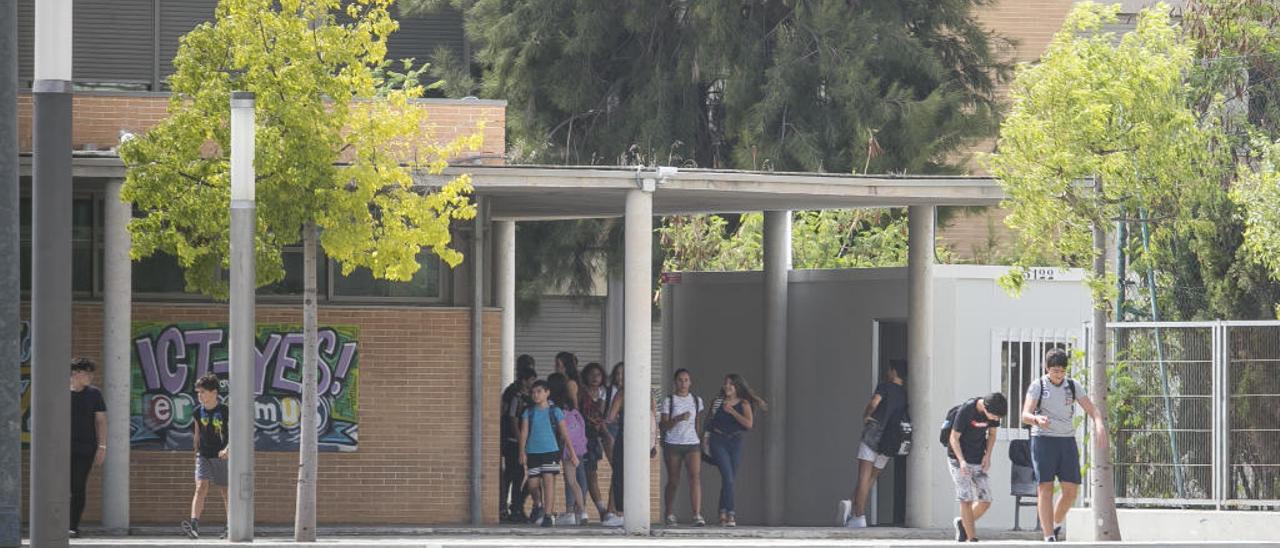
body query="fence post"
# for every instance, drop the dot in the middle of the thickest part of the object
(1222, 426)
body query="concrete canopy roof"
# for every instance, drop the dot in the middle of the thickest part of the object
(522, 192)
(568, 192)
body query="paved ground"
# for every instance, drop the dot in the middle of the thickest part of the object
(593, 537)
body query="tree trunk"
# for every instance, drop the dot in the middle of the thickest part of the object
(304, 526)
(1102, 477)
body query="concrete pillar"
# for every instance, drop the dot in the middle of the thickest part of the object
(638, 345)
(10, 279)
(777, 265)
(117, 301)
(613, 320)
(504, 238)
(51, 276)
(243, 329)
(925, 456)
(477, 364)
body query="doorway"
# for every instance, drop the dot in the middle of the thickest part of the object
(889, 496)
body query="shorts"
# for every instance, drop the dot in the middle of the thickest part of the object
(1055, 457)
(681, 450)
(544, 463)
(869, 455)
(211, 469)
(971, 487)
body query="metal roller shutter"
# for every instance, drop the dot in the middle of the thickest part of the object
(113, 41)
(562, 324)
(419, 36)
(178, 17)
(26, 42)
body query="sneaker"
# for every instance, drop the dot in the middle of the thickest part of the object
(536, 515)
(190, 529)
(1059, 534)
(224, 534)
(583, 518)
(1050, 538)
(567, 518)
(730, 522)
(856, 522)
(961, 536)
(612, 520)
(844, 510)
(671, 520)
(73, 533)
(698, 521)
(548, 521)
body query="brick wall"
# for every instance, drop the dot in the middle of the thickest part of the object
(98, 118)
(412, 465)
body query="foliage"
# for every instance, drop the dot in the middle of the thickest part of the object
(313, 70)
(1101, 127)
(858, 238)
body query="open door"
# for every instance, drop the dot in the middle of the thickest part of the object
(888, 504)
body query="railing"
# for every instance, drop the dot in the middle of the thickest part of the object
(1195, 413)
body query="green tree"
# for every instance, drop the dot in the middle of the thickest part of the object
(769, 85)
(334, 156)
(1101, 127)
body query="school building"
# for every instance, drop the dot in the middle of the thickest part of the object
(399, 357)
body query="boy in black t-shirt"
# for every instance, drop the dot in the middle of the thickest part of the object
(973, 433)
(210, 433)
(88, 435)
(515, 399)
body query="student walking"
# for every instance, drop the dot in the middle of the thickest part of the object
(617, 407)
(968, 433)
(1049, 408)
(681, 423)
(732, 414)
(592, 405)
(515, 399)
(88, 435)
(885, 411)
(210, 441)
(575, 476)
(540, 452)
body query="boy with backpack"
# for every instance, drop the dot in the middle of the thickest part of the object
(886, 433)
(969, 433)
(540, 451)
(1049, 409)
(210, 436)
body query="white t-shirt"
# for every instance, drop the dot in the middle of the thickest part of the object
(684, 432)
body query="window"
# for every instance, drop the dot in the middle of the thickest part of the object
(86, 244)
(292, 284)
(425, 284)
(1019, 360)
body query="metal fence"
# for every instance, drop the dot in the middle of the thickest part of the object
(1195, 413)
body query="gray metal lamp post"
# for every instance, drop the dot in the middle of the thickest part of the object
(242, 327)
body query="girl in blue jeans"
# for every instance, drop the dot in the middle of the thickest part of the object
(731, 415)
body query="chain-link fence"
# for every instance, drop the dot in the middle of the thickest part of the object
(1194, 410)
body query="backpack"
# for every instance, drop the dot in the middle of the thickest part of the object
(577, 428)
(944, 437)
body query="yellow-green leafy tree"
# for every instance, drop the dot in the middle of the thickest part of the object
(337, 143)
(1101, 128)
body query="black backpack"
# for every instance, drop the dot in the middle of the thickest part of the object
(896, 439)
(1071, 387)
(944, 437)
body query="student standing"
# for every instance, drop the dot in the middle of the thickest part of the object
(540, 452)
(210, 439)
(970, 432)
(886, 409)
(567, 365)
(680, 419)
(593, 408)
(515, 399)
(732, 414)
(1049, 408)
(575, 476)
(88, 435)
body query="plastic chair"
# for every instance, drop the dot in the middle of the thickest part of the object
(1022, 480)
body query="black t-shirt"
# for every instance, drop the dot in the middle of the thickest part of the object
(893, 400)
(972, 426)
(213, 425)
(84, 431)
(514, 403)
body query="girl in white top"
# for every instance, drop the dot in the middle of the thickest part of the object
(681, 425)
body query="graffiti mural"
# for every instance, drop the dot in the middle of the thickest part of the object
(24, 382)
(168, 358)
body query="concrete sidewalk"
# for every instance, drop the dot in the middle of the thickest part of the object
(593, 537)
